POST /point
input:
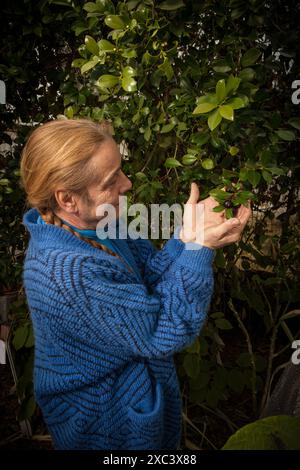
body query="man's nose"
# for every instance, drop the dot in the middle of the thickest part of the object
(127, 185)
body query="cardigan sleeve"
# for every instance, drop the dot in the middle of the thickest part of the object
(133, 321)
(154, 263)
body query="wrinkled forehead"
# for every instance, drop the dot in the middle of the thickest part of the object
(107, 158)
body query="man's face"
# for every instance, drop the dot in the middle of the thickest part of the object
(112, 184)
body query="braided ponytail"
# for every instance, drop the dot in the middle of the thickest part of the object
(50, 217)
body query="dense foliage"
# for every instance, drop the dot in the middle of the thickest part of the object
(198, 91)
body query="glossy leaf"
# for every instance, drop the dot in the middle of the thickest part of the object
(214, 119)
(106, 46)
(129, 83)
(236, 103)
(114, 22)
(271, 433)
(250, 57)
(167, 128)
(295, 122)
(170, 5)
(129, 72)
(172, 163)
(91, 45)
(90, 64)
(91, 7)
(226, 112)
(253, 177)
(107, 81)
(204, 108)
(232, 84)
(208, 164)
(233, 150)
(189, 159)
(247, 75)
(220, 90)
(286, 135)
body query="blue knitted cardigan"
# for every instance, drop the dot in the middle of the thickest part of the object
(104, 371)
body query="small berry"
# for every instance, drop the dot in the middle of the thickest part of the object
(235, 209)
(229, 190)
(228, 204)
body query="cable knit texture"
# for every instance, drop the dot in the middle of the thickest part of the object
(104, 373)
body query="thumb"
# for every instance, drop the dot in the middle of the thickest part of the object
(194, 195)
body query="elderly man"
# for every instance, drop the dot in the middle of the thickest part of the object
(108, 315)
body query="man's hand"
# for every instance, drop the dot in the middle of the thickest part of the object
(216, 230)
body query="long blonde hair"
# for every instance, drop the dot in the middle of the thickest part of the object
(56, 155)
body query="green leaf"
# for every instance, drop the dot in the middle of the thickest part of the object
(200, 139)
(236, 103)
(167, 68)
(232, 84)
(271, 433)
(167, 128)
(129, 53)
(189, 159)
(216, 142)
(223, 324)
(246, 194)
(91, 45)
(222, 68)
(267, 176)
(20, 337)
(220, 90)
(238, 12)
(78, 63)
(228, 213)
(30, 339)
(90, 64)
(233, 150)
(254, 177)
(208, 164)
(129, 83)
(172, 163)
(277, 171)
(247, 75)
(204, 108)
(147, 134)
(218, 209)
(243, 174)
(191, 364)
(107, 81)
(286, 135)
(114, 22)
(226, 112)
(209, 98)
(250, 57)
(132, 4)
(129, 72)
(171, 5)
(218, 194)
(295, 122)
(27, 408)
(92, 7)
(214, 119)
(106, 46)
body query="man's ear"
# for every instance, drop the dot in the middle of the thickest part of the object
(66, 201)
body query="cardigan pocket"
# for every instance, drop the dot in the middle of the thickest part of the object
(145, 430)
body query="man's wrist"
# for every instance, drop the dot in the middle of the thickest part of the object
(193, 239)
